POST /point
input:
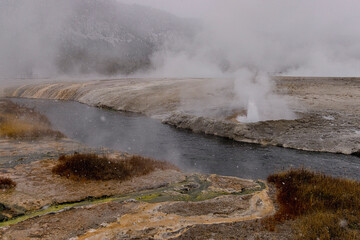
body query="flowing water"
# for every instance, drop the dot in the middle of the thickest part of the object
(139, 134)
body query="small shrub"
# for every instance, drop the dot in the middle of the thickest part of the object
(6, 183)
(323, 207)
(23, 129)
(18, 122)
(325, 225)
(94, 167)
(302, 191)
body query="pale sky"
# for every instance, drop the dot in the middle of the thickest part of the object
(183, 8)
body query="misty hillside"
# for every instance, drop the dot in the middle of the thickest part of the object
(85, 36)
(111, 38)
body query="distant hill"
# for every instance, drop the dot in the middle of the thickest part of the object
(109, 37)
(95, 36)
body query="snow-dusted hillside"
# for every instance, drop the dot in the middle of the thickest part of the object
(111, 37)
(83, 36)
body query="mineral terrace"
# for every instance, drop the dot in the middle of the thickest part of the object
(327, 109)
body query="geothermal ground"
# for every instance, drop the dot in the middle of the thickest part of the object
(327, 110)
(162, 204)
(165, 204)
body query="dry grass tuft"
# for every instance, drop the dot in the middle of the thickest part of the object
(323, 207)
(18, 122)
(6, 183)
(93, 167)
(328, 225)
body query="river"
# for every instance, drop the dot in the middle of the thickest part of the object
(138, 134)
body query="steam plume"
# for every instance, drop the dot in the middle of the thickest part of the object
(243, 40)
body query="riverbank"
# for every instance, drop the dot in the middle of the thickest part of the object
(328, 115)
(162, 204)
(194, 152)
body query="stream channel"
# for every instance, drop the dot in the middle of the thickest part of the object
(138, 134)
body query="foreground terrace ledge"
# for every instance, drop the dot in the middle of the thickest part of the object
(106, 208)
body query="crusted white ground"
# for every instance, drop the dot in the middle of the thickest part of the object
(328, 109)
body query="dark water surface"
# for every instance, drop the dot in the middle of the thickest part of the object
(141, 135)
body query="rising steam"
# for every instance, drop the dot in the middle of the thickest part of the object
(247, 41)
(46, 38)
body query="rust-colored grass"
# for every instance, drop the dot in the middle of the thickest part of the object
(94, 167)
(322, 207)
(6, 183)
(18, 122)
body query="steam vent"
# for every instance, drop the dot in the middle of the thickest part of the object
(130, 119)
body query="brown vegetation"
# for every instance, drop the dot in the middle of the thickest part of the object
(93, 167)
(6, 183)
(19, 122)
(322, 207)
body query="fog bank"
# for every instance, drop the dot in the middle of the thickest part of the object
(202, 38)
(247, 41)
(311, 38)
(48, 38)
